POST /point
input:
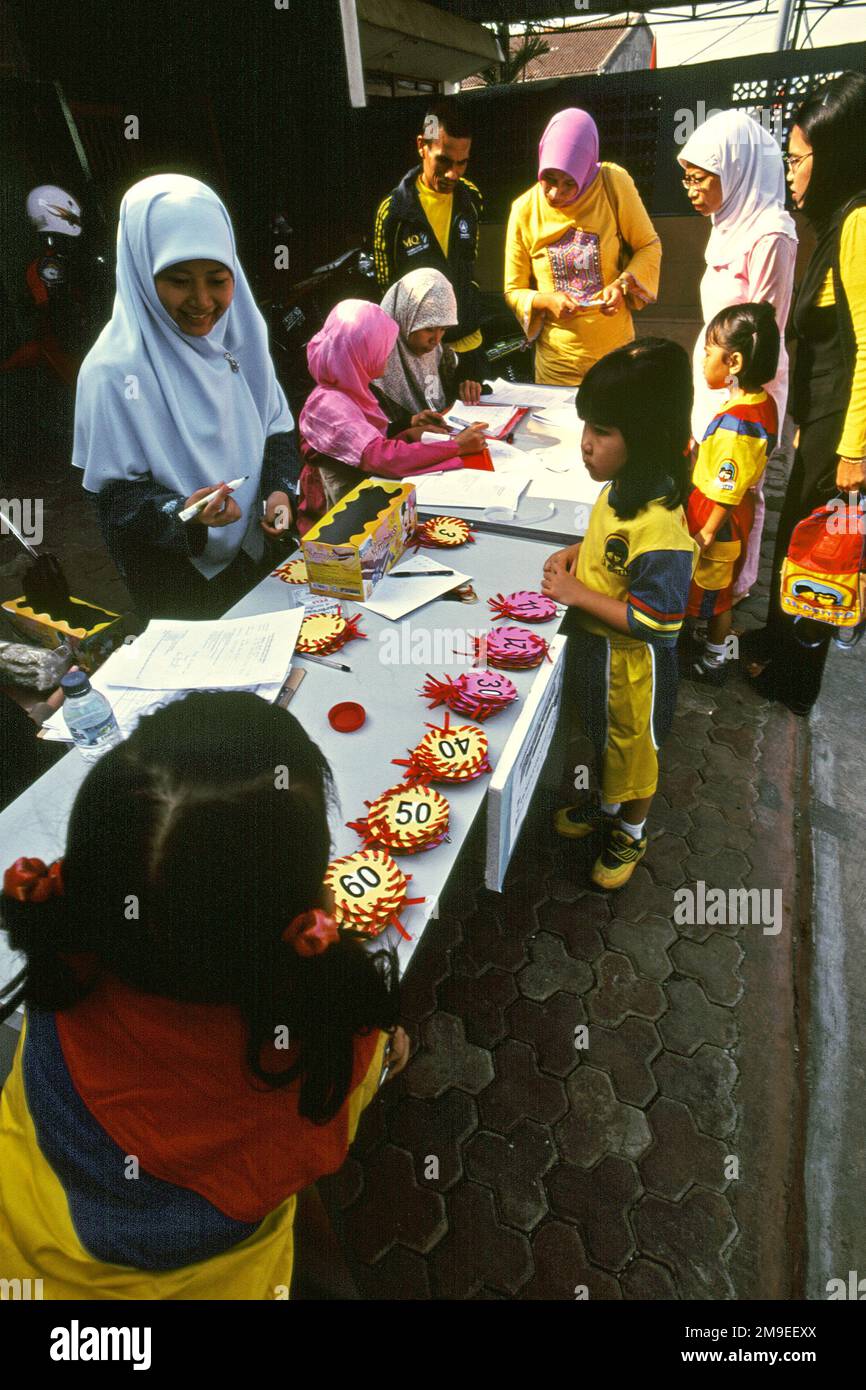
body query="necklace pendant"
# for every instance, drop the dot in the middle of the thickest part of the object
(232, 361)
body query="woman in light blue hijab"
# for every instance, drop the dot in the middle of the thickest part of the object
(177, 396)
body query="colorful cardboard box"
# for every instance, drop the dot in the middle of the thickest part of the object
(90, 645)
(360, 538)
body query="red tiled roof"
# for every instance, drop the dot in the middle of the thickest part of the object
(573, 52)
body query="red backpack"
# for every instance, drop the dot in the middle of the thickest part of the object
(823, 576)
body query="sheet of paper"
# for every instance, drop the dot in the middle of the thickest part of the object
(494, 417)
(394, 598)
(467, 488)
(570, 485)
(232, 654)
(520, 393)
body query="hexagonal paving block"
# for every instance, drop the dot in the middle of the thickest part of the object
(598, 1203)
(721, 868)
(400, 1275)
(578, 923)
(552, 969)
(645, 943)
(626, 1052)
(691, 1238)
(447, 1059)
(675, 820)
(597, 1123)
(519, 1091)
(664, 859)
(478, 1250)
(393, 1208)
(642, 897)
(741, 742)
(692, 1020)
(680, 1156)
(621, 992)
(562, 1270)
(434, 1128)
(491, 939)
(481, 1003)
(549, 1029)
(644, 1279)
(716, 963)
(683, 786)
(704, 1083)
(513, 1168)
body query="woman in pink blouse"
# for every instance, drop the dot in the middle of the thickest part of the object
(734, 175)
(343, 428)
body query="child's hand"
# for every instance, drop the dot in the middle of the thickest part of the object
(470, 392)
(704, 538)
(567, 556)
(397, 1052)
(558, 584)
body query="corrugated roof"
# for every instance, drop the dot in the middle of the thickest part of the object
(573, 52)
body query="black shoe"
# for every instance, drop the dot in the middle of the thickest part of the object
(712, 673)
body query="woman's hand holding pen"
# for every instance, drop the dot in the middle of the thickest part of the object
(430, 420)
(470, 441)
(278, 516)
(222, 511)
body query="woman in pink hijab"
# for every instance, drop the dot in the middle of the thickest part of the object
(344, 433)
(581, 253)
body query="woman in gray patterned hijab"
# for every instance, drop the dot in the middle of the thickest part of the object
(421, 373)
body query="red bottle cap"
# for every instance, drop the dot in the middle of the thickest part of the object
(347, 717)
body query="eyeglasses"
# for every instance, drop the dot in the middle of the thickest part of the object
(697, 180)
(794, 161)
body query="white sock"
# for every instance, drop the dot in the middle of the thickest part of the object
(610, 808)
(635, 831)
(714, 654)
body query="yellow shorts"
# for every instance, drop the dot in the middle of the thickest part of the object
(627, 694)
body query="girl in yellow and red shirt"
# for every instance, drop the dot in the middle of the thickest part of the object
(741, 351)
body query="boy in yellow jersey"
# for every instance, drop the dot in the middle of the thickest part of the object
(431, 219)
(628, 582)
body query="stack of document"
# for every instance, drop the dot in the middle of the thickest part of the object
(171, 658)
(518, 394)
(466, 487)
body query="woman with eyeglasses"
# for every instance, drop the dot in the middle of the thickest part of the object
(827, 175)
(733, 174)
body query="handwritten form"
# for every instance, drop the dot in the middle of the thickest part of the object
(232, 654)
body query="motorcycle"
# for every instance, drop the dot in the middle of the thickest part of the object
(294, 318)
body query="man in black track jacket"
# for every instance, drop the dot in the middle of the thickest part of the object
(431, 219)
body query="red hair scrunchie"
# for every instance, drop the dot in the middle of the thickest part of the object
(31, 881)
(311, 933)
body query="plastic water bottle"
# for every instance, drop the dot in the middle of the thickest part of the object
(89, 717)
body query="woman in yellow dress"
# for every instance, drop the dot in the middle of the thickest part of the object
(581, 253)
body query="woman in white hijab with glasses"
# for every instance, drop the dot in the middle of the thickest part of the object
(734, 174)
(177, 398)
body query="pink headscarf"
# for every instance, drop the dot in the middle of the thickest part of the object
(570, 143)
(342, 416)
